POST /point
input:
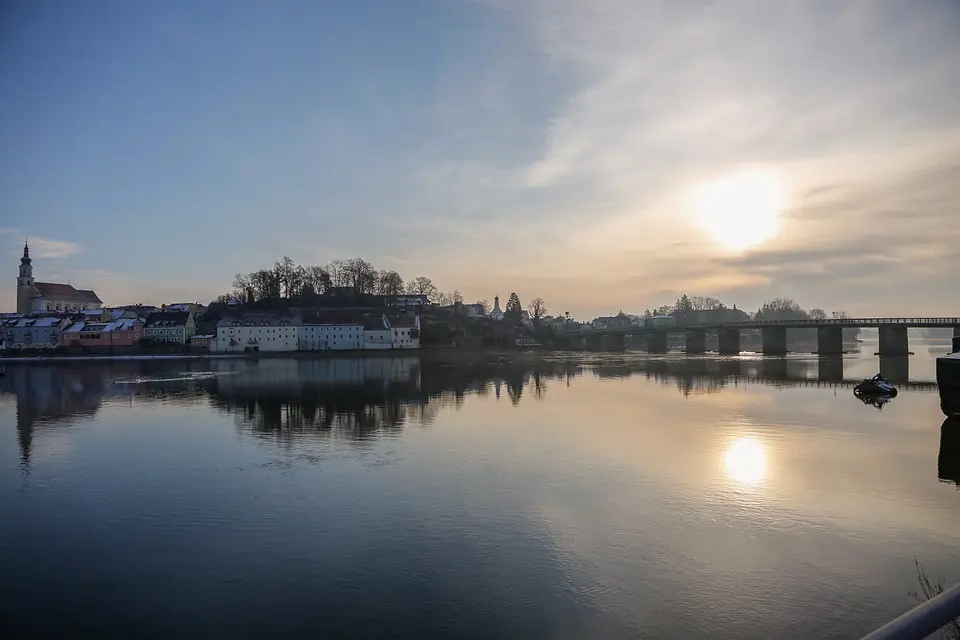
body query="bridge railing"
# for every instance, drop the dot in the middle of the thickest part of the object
(922, 620)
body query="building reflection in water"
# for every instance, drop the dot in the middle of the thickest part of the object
(360, 398)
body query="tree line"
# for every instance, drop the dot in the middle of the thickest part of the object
(692, 309)
(288, 280)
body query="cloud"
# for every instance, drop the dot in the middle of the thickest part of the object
(56, 249)
(851, 105)
(42, 247)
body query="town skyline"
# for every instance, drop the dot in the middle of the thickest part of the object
(602, 156)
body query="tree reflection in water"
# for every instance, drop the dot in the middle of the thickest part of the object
(363, 398)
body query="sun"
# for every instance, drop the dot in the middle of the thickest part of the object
(745, 461)
(740, 211)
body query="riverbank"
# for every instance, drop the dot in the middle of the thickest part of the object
(434, 354)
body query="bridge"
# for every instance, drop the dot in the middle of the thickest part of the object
(893, 334)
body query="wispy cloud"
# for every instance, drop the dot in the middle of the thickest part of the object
(55, 249)
(851, 105)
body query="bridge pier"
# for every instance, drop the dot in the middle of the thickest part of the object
(729, 340)
(830, 341)
(956, 340)
(696, 341)
(656, 343)
(896, 369)
(774, 369)
(614, 342)
(893, 340)
(774, 340)
(829, 369)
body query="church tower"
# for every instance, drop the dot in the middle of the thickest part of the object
(25, 288)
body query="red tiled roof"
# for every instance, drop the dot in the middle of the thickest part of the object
(90, 295)
(57, 291)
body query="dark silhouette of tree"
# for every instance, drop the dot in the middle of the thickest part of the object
(538, 309)
(422, 286)
(389, 283)
(818, 314)
(360, 274)
(514, 308)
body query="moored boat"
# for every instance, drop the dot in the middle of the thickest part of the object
(875, 386)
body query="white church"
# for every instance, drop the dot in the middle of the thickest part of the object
(50, 297)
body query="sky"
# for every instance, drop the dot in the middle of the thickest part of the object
(600, 154)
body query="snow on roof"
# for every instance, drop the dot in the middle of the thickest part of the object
(49, 321)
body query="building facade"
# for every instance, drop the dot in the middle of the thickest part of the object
(331, 337)
(405, 332)
(169, 326)
(36, 333)
(50, 297)
(377, 334)
(121, 333)
(259, 332)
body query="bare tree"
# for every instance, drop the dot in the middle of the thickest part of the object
(389, 283)
(444, 299)
(485, 304)
(457, 296)
(818, 314)
(241, 287)
(360, 275)
(422, 286)
(538, 309)
(338, 273)
(319, 279)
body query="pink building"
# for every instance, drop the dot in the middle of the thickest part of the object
(120, 333)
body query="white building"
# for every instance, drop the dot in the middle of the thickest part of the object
(377, 334)
(257, 332)
(405, 332)
(497, 313)
(331, 337)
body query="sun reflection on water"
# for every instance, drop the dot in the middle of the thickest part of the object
(745, 461)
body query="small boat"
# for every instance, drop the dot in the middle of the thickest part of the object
(875, 386)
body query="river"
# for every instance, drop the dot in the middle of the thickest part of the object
(569, 496)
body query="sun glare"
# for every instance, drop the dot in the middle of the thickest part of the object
(740, 211)
(745, 461)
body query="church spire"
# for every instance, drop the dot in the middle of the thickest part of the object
(26, 253)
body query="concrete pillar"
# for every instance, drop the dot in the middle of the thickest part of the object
(613, 342)
(956, 340)
(774, 340)
(696, 341)
(728, 368)
(830, 341)
(774, 369)
(829, 369)
(893, 340)
(729, 339)
(896, 369)
(656, 343)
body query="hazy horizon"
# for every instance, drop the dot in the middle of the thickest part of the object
(602, 155)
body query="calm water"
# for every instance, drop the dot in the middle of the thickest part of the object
(569, 498)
